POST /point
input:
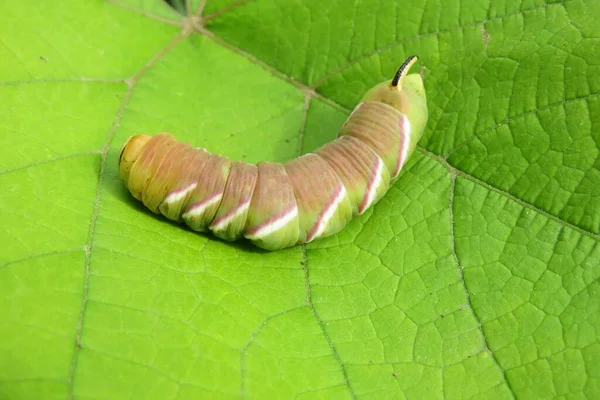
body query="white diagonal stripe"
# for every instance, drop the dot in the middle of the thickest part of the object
(274, 226)
(373, 186)
(198, 208)
(227, 218)
(329, 213)
(179, 194)
(406, 141)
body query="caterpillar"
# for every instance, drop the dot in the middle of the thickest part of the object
(280, 205)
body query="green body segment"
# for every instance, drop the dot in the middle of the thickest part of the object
(166, 175)
(410, 101)
(230, 220)
(182, 187)
(147, 163)
(206, 198)
(323, 204)
(379, 126)
(273, 217)
(277, 206)
(363, 172)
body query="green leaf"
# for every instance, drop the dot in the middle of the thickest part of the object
(477, 275)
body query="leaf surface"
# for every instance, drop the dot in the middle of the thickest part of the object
(476, 276)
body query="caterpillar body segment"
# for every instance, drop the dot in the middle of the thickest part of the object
(321, 197)
(273, 217)
(230, 220)
(178, 198)
(146, 164)
(359, 167)
(205, 199)
(382, 128)
(167, 173)
(274, 205)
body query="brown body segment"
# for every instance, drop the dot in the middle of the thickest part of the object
(206, 197)
(230, 219)
(377, 125)
(149, 159)
(180, 190)
(323, 205)
(362, 171)
(273, 216)
(166, 175)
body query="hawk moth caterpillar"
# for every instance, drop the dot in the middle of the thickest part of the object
(280, 205)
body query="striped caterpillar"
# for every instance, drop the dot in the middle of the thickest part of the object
(274, 205)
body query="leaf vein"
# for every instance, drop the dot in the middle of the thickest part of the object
(464, 283)
(95, 213)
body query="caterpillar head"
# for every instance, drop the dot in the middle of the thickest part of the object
(405, 93)
(130, 152)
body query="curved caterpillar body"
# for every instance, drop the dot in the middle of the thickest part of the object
(280, 205)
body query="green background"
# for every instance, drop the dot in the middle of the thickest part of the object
(475, 277)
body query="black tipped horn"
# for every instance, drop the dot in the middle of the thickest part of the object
(403, 70)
